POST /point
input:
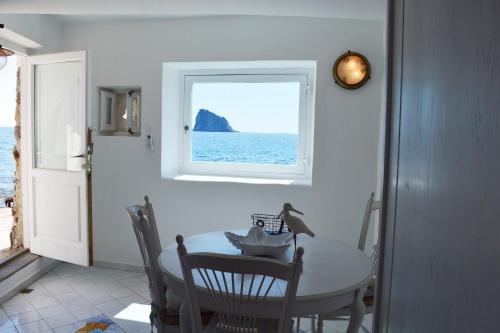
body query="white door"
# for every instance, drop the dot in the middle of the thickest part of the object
(57, 144)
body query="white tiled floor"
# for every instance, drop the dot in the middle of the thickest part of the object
(69, 294)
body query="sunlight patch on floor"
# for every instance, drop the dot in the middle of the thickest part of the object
(135, 312)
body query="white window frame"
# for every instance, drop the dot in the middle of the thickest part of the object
(178, 79)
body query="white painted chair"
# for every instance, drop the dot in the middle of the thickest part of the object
(164, 314)
(368, 299)
(235, 286)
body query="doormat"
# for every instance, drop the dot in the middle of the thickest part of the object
(99, 324)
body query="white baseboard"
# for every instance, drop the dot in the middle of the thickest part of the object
(25, 277)
(119, 266)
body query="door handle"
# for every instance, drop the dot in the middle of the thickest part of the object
(81, 155)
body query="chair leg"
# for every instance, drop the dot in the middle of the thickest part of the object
(185, 320)
(320, 325)
(152, 319)
(313, 324)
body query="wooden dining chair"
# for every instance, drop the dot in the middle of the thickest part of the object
(238, 287)
(163, 316)
(368, 298)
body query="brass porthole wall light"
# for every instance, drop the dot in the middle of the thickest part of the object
(351, 70)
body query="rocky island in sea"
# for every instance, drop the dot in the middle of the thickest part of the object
(214, 140)
(207, 121)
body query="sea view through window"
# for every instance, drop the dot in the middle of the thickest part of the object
(251, 123)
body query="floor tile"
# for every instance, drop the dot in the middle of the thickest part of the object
(37, 291)
(126, 301)
(24, 318)
(122, 292)
(59, 320)
(120, 275)
(18, 308)
(109, 286)
(19, 299)
(109, 306)
(66, 329)
(139, 288)
(3, 317)
(77, 304)
(8, 329)
(84, 313)
(99, 298)
(131, 281)
(68, 297)
(58, 287)
(39, 326)
(89, 289)
(6, 324)
(48, 277)
(43, 302)
(52, 310)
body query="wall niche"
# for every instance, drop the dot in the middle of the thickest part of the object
(120, 111)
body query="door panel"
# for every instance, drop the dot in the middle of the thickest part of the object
(59, 134)
(444, 175)
(57, 170)
(44, 206)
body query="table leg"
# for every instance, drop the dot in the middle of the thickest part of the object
(357, 311)
(185, 318)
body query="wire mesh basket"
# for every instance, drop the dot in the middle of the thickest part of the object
(270, 223)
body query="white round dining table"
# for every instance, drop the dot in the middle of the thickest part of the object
(335, 274)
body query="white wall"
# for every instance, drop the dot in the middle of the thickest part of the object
(131, 53)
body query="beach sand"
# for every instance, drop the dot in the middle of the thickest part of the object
(5, 226)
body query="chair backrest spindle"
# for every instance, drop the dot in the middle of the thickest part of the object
(371, 205)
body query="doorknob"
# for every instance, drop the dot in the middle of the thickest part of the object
(81, 155)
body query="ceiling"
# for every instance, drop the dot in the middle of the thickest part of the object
(361, 9)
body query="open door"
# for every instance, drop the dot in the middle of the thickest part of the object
(57, 157)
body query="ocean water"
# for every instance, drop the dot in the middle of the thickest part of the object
(7, 163)
(236, 147)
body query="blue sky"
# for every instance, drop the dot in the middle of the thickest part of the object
(8, 93)
(251, 107)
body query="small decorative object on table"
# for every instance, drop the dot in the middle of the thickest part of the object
(294, 223)
(270, 223)
(260, 243)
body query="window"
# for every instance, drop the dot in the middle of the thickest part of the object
(246, 122)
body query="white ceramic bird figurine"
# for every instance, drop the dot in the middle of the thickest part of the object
(294, 223)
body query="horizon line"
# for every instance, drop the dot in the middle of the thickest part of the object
(235, 131)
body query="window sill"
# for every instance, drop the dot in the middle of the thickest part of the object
(240, 180)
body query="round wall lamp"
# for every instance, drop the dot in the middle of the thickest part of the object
(351, 70)
(4, 53)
